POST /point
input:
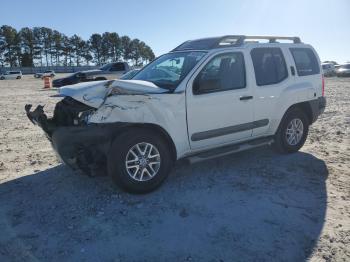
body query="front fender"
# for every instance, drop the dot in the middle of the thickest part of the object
(165, 110)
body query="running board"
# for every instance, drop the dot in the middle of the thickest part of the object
(227, 150)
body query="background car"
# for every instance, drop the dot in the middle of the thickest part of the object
(343, 70)
(50, 73)
(70, 80)
(328, 69)
(11, 75)
(109, 71)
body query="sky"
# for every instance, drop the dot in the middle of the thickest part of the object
(165, 24)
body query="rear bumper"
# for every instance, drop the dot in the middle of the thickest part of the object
(317, 107)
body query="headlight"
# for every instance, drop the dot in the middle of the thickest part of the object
(83, 117)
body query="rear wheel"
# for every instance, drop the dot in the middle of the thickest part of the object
(292, 132)
(139, 161)
(18, 77)
(2, 78)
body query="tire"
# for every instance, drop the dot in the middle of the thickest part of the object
(296, 123)
(18, 77)
(120, 152)
(2, 78)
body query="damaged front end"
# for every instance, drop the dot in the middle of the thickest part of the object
(80, 143)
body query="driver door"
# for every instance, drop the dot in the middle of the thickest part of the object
(219, 102)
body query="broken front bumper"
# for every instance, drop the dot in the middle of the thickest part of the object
(82, 147)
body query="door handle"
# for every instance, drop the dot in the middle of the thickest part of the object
(245, 97)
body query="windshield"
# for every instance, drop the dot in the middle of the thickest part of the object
(130, 74)
(169, 70)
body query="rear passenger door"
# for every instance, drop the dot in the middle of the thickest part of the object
(271, 78)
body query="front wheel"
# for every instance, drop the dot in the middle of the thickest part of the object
(292, 132)
(18, 77)
(139, 161)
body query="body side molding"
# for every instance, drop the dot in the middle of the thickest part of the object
(228, 130)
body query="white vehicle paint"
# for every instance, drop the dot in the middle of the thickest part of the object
(11, 75)
(232, 93)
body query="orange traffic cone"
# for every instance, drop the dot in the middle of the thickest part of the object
(47, 82)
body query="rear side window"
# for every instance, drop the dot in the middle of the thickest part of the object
(269, 66)
(305, 61)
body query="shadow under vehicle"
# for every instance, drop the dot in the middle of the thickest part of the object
(253, 206)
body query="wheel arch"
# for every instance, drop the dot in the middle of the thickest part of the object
(305, 107)
(158, 129)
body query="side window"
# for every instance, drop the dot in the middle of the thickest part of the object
(269, 66)
(118, 67)
(305, 61)
(223, 72)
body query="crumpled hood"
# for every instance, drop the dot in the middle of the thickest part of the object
(94, 93)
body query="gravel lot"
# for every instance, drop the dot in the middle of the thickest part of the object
(252, 206)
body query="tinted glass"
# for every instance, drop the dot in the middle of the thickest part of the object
(118, 67)
(269, 66)
(130, 74)
(200, 44)
(223, 72)
(305, 61)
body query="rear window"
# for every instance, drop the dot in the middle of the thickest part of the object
(269, 66)
(305, 61)
(118, 67)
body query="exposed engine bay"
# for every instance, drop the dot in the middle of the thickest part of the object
(69, 122)
(90, 115)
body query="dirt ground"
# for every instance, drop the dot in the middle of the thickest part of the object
(252, 206)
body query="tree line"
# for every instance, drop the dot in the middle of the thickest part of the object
(42, 46)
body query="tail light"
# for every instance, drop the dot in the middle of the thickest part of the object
(322, 85)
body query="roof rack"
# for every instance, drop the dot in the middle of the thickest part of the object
(229, 40)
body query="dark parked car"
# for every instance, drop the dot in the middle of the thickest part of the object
(107, 72)
(70, 80)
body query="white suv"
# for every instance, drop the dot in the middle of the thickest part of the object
(11, 75)
(206, 98)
